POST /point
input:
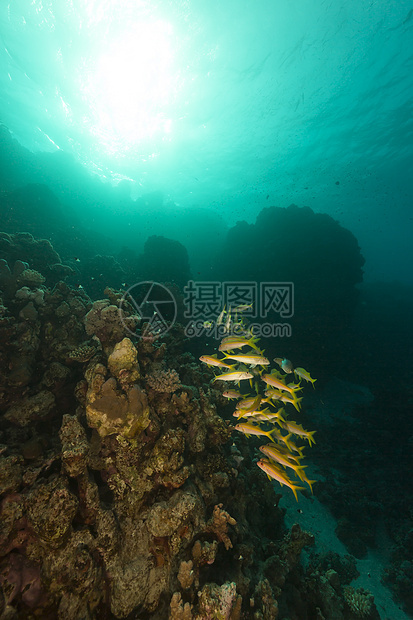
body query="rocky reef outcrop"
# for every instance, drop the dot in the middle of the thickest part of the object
(123, 492)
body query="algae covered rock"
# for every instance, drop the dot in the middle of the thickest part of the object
(123, 361)
(111, 410)
(32, 408)
(51, 509)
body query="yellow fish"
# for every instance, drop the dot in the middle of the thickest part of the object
(232, 394)
(237, 342)
(278, 395)
(279, 475)
(233, 376)
(304, 374)
(274, 382)
(221, 316)
(287, 441)
(297, 429)
(248, 404)
(255, 413)
(251, 360)
(282, 458)
(251, 429)
(286, 452)
(213, 361)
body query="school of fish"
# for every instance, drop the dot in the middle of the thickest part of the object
(264, 413)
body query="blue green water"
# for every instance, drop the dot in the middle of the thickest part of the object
(206, 112)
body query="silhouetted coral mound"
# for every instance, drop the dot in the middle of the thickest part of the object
(164, 260)
(310, 250)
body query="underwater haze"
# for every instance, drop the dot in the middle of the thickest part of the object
(221, 107)
(206, 302)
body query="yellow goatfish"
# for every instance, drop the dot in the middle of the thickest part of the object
(248, 404)
(232, 394)
(272, 380)
(297, 429)
(285, 451)
(304, 374)
(237, 342)
(228, 321)
(279, 475)
(221, 316)
(287, 441)
(234, 376)
(282, 458)
(213, 361)
(251, 429)
(251, 360)
(253, 413)
(303, 476)
(278, 395)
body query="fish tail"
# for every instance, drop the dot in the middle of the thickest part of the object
(310, 483)
(294, 488)
(269, 435)
(251, 343)
(310, 437)
(299, 469)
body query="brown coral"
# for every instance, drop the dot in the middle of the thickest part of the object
(166, 381)
(218, 525)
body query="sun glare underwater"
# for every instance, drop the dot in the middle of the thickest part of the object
(206, 294)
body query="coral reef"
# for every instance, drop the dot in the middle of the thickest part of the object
(124, 492)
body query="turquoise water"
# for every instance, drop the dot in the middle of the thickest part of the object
(206, 209)
(218, 109)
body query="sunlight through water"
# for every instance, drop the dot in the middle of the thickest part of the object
(131, 85)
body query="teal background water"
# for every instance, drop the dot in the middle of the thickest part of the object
(181, 118)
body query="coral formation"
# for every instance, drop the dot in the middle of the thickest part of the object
(124, 490)
(166, 381)
(360, 601)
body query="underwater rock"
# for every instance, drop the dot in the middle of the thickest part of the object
(76, 576)
(75, 447)
(38, 254)
(110, 410)
(50, 510)
(164, 518)
(36, 295)
(20, 578)
(55, 376)
(161, 380)
(9, 278)
(123, 362)
(31, 408)
(219, 601)
(11, 473)
(83, 353)
(163, 260)
(29, 313)
(31, 278)
(106, 321)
